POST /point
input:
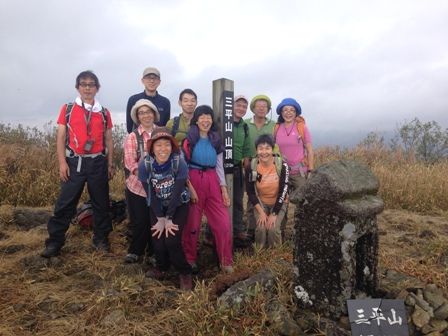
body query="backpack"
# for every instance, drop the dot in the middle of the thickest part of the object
(140, 150)
(68, 114)
(118, 211)
(300, 122)
(84, 214)
(175, 129)
(254, 162)
(246, 130)
(149, 161)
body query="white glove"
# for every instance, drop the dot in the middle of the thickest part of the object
(170, 226)
(159, 227)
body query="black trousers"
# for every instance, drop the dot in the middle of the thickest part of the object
(169, 250)
(94, 173)
(140, 222)
(238, 194)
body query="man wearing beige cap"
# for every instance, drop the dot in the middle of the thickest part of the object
(151, 81)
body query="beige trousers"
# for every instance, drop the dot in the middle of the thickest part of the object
(272, 236)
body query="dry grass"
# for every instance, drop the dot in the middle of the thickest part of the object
(203, 316)
(75, 295)
(404, 182)
(415, 245)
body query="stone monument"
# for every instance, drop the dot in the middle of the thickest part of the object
(336, 237)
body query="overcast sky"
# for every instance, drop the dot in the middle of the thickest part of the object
(354, 66)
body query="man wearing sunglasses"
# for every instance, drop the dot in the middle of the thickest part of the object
(85, 152)
(151, 80)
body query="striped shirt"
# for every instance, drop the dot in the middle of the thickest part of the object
(131, 160)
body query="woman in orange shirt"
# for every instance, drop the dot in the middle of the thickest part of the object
(267, 189)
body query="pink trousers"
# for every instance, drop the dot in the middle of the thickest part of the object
(207, 187)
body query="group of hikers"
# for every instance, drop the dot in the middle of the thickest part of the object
(175, 174)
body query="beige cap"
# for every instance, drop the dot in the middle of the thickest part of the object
(241, 97)
(149, 71)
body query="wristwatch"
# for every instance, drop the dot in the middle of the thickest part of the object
(111, 165)
(274, 213)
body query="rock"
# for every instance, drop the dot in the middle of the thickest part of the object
(406, 240)
(441, 313)
(420, 317)
(444, 261)
(28, 218)
(303, 323)
(75, 307)
(409, 301)
(427, 234)
(11, 249)
(344, 321)
(403, 294)
(411, 327)
(426, 329)
(18, 307)
(36, 263)
(435, 298)
(278, 313)
(318, 325)
(421, 303)
(392, 279)
(3, 235)
(431, 288)
(241, 292)
(28, 322)
(115, 317)
(48, 304)
(439, 325)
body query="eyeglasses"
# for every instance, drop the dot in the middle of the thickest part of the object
(90, 85)
(149, 112)
(152, 78)
(289, 111)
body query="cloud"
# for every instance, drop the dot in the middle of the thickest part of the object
(353, 66)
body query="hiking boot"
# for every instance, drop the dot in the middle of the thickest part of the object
(102, 246)
(241, 240)
(210, 241)
(131, 258)
(50, 251)
(186, 283)
(242, 236)
(251, 235)
(194, 268)
(227, 269)
(151, 260)
(156, 274)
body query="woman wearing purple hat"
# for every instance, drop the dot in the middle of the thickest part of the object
(294, 141)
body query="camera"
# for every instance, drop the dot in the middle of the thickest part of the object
(88, 146)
